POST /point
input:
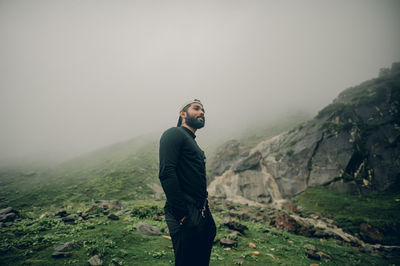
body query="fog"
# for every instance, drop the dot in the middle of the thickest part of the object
(78, 75)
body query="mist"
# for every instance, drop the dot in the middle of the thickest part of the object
(79, 75)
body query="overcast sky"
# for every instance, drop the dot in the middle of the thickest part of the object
(77, 75)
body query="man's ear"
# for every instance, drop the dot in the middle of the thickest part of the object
(182, 114)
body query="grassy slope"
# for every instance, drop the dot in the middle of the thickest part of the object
(119, 171)
(382, 211)
(31, 241)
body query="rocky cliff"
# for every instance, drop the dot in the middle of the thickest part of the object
(352, 146)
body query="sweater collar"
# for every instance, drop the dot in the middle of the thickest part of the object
(189, 131)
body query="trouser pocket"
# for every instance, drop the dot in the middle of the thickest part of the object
(195, 219)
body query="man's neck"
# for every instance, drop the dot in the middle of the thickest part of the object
(190, 128)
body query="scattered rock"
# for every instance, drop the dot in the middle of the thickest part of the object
(289, 206)
(65, 247)
(70, 218)
(285, 221)
(233, 234)
(123, 251)
(234, 225)
(239, 262)
(61, 213)
(158, 218)
(8, 214)
(113, 216)
(95, 261)
(58, 254)
(167, 237)
(148, 229)
(313, 253)
(228, 243)
(9, 217)
(124, 211)
(7, 210)
(45, 215)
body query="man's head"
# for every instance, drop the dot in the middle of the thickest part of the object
(192, 114)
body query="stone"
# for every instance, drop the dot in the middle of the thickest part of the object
(148, 229)
(44, 215)
(61, 213)
(233, 234)
(286, 222)
(158, 218)
(238, 262)
(95, 261)
(113, 216)
(70, 218)
(7, 210)
(58, 254)
(313, 253)
(65, 246)
(228, 242)
(9, 217)
(233, 225)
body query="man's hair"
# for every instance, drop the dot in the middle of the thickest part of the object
(180, 118)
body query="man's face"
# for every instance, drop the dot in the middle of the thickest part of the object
(195, 116)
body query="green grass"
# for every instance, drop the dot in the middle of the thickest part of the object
(30, 241)
(382, 211)
(120, 171)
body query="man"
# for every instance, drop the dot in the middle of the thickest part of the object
(183, 178)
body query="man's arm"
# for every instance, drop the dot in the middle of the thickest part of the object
(170, 146)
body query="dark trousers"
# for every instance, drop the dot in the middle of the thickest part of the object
(192, 241)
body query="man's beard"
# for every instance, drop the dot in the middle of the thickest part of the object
(193, 121)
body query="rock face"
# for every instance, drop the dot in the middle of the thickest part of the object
(225, 156)
(352, 146)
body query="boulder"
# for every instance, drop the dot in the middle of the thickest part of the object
(233, 225)
(148, 229)
(65, 246)
(58, 254)
(61, 213)
(113, 216)
(9, 217)
(7, 211)
(228, 242)
(70, 218)
(95, 261)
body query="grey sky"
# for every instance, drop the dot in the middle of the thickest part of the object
(77, 75)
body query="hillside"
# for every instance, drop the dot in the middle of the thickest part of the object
(120, 171)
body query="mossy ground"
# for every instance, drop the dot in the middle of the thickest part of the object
(381, 210)
(31, 241)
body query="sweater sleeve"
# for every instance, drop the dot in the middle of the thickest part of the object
(170, 146)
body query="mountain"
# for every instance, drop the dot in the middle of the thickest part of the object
(351, 146)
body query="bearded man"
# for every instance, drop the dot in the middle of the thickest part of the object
(183, 178)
